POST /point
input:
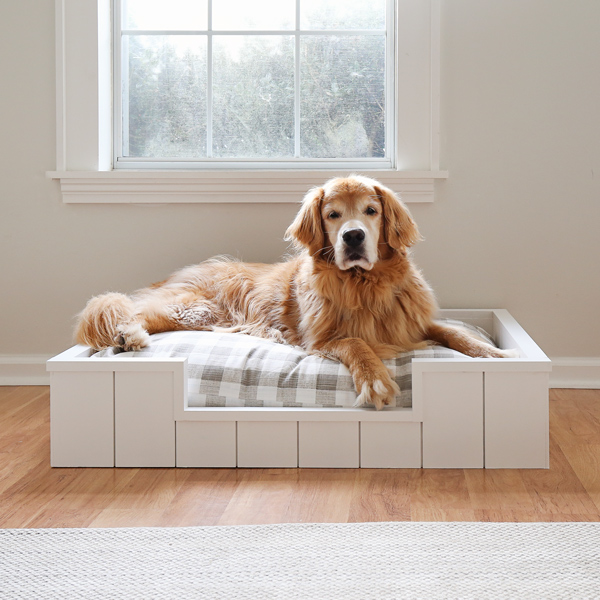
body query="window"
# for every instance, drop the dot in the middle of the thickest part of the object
(300, 133)
(275, 82)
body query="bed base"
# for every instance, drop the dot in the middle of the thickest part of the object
(470, 413)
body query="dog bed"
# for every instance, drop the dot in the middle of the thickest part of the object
(194, 399)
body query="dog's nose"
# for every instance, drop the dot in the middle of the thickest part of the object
(353, 237)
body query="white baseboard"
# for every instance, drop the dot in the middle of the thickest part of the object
(567, 372)
(24, 369)
(575, 372)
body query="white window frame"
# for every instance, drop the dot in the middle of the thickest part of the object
(84, 164)
(120, 82)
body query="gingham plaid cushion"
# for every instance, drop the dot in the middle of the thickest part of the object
(230, 369)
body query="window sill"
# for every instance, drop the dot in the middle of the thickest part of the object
(172, 187)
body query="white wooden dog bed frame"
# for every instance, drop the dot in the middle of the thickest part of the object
(466, 413)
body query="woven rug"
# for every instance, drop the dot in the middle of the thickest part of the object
(312, 561)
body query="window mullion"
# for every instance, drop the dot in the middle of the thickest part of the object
(297, 83)
(121, 85)
(391, 89)
(209, 84)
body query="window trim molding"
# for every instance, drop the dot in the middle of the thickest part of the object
(84, 123)
(155, 187)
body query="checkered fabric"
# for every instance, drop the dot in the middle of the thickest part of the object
(231, 369)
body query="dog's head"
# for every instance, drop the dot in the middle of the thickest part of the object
(354, 222)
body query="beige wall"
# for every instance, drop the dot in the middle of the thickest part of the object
(515, 225)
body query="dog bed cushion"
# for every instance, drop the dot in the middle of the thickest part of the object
(231, 369)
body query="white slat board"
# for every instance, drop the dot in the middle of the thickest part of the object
(328, 444)
(206, 444)
(144, 420)
(516, 421)
(453, 420)
(390, 445)
(82, 419)
(267, 444)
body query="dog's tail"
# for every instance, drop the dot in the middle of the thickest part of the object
(101, 323)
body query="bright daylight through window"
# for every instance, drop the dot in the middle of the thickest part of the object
(271, 82)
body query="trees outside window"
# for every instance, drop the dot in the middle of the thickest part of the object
(286, 81)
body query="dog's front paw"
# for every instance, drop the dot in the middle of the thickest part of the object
(379, 392)
(132, 337)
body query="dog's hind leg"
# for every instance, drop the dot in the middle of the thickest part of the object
(463, 341)
(110, 320)
(157, 314)
(197, 316)
(118, 320)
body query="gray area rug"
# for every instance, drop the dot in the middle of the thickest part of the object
(307, 561)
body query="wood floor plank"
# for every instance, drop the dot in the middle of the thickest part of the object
(585, 461)
(25, 499)
(381, 495)
(421, 513)
(558, 489)
(573, 422)
(435, 492)
(498, 489)
(203, 498)
(516, 516)
(262, 496)
(24, 454)
(7, 390)
(589, 402)
(9, 396)
(24, 432)
(149, 489)
(125, 517)
(82, 500)
(322, 495)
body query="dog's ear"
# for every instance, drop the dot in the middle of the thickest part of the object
(399, 228)
(307, 229)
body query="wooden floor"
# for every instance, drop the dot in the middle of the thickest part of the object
(34, 495)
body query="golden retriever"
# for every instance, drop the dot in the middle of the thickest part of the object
(351, 294)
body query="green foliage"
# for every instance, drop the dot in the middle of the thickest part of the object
(253, 108)
(342, 96)
(167, 99)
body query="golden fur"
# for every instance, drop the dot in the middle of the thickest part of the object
(352, 294)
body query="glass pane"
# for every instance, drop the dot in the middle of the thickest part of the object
(265, 15)
(346, 14)
(164, 97)
(342, 90)
(253, 96)
(165, 16)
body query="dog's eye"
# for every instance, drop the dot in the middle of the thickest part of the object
(334, 215)
(370, 211)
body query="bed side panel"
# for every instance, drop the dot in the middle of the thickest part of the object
(453, 420)
(82, 419)
(516, 420)
(144, 422)
(206, 444)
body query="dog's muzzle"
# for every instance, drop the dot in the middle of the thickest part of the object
(353, 238)
(353, 250)
(354, 244)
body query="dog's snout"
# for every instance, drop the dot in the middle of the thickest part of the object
(353, 237)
